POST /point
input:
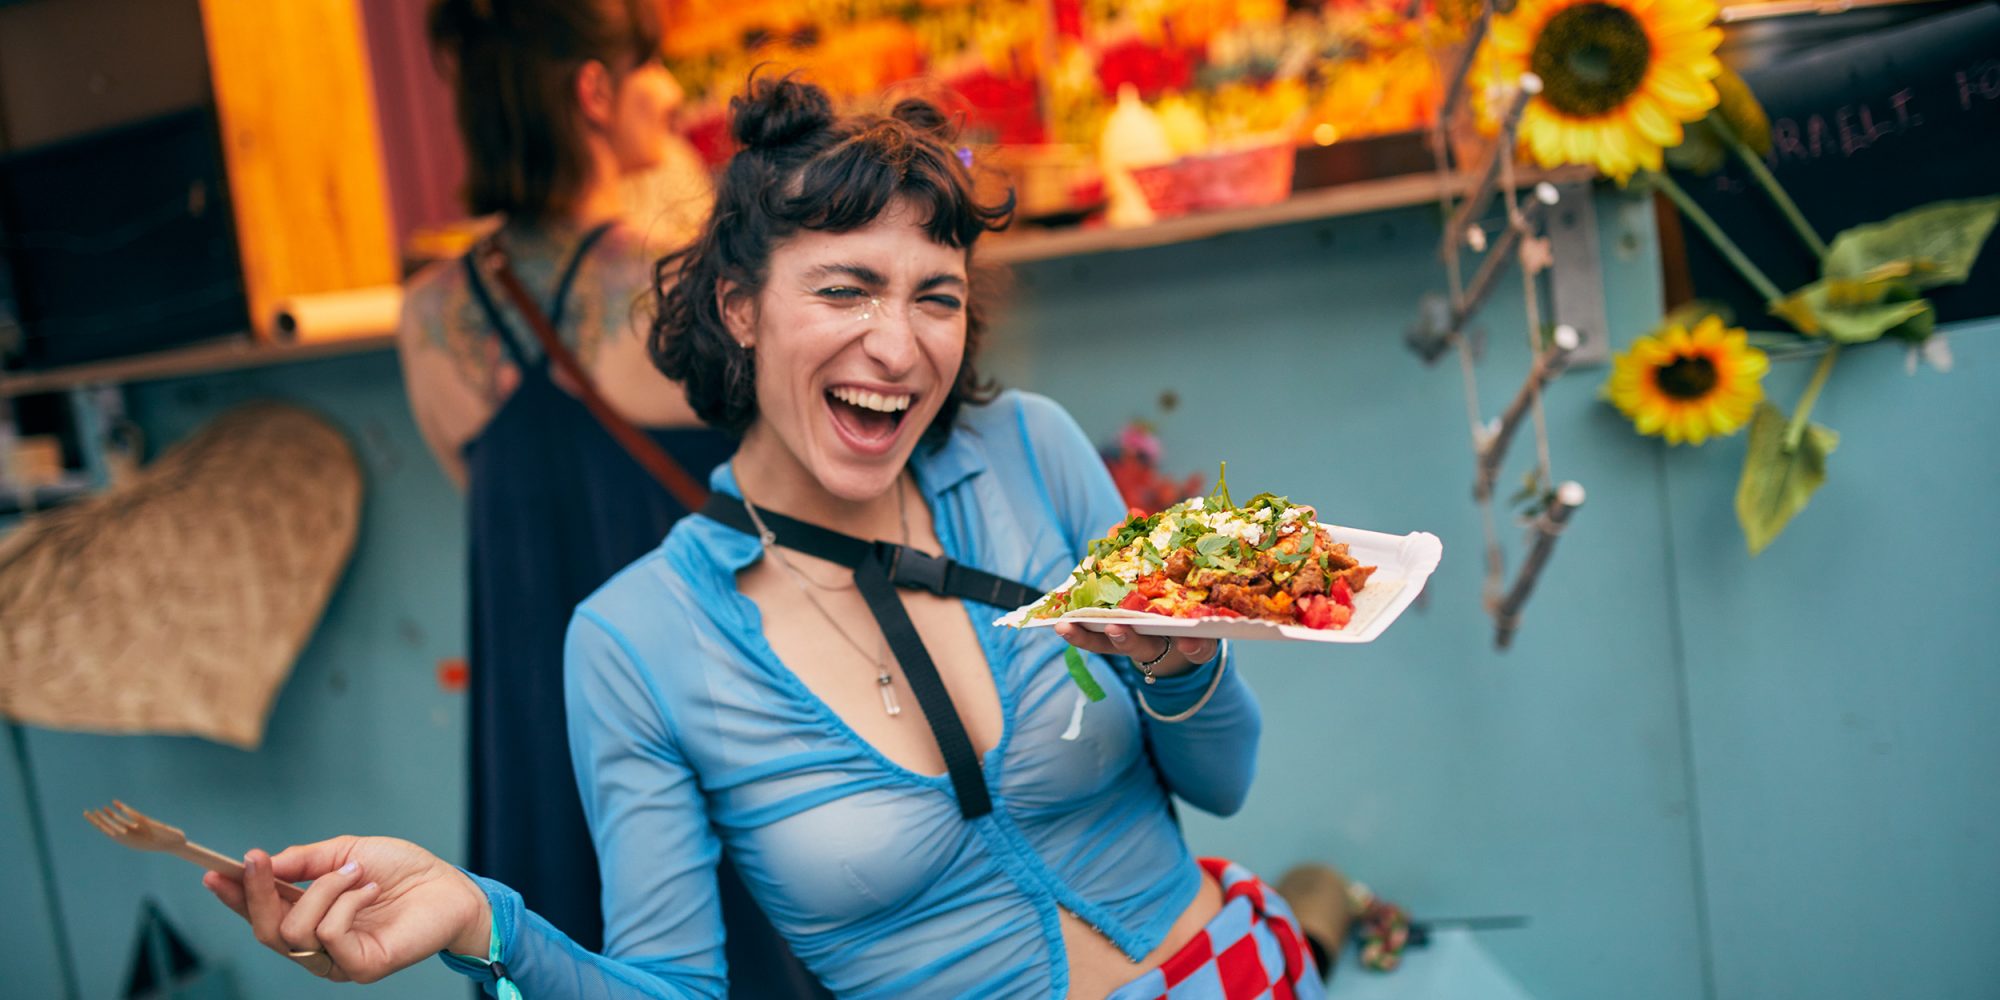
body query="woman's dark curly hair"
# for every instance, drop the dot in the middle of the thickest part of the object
(802, 167)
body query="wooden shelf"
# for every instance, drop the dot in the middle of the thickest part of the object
(1326, 203)
(1357, 198)
(198, 359)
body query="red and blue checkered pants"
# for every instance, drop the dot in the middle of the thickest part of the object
(1252, 950)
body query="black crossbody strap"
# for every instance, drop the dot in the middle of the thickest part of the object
(908, 567)
(961, 762)
(879, 568)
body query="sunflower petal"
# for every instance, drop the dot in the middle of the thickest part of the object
(1652, 120)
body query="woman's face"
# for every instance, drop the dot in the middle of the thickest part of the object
(858, 338)
(642, 116)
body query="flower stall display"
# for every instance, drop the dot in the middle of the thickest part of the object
(984, 59)
(1236, 84)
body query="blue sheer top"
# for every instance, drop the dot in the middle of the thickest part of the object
(690, 738)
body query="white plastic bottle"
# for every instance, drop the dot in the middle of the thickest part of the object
(1133, 137)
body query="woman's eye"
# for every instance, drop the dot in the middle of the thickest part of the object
(947, 302)
(842, 292)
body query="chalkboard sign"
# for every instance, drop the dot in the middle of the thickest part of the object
(1863, 129)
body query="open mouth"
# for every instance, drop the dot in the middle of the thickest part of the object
(868, 420)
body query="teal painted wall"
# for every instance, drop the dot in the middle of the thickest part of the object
(1699, 775)
(28, 956)
(1842, 690)
(360, 739)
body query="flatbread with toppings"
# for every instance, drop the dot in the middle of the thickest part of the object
(1206, 558)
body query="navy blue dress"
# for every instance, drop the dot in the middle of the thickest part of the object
(556, 508)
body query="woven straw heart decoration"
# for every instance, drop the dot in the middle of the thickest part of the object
(178, 603)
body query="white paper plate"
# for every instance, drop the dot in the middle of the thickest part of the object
(1403, 563)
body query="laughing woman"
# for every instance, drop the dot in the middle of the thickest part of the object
(925, 806)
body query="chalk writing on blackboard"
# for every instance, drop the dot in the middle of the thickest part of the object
(1861, 130)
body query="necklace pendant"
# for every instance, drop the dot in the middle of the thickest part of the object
(889, 702)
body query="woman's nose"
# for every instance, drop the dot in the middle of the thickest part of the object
(891, 340)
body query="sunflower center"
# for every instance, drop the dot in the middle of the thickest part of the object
(1591, 57)
(1686, 377)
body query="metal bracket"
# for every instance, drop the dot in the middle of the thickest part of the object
(1576, 282)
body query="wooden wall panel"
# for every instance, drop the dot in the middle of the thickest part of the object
(293, 90)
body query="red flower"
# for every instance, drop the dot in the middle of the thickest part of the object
(1153, 71)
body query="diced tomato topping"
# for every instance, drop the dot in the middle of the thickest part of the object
(1215, 611)
(1341, 595)
(1152, 585)
(1315, 611)
(1134, 601)
(1318, 612)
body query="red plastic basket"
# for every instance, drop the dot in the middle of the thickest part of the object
(1259, 175)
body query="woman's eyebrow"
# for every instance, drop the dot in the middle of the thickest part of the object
(859, 272)
(941, 278)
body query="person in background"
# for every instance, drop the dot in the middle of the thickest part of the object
(922, 799)
(559, 103)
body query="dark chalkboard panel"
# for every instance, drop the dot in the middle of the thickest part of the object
(1864, 129)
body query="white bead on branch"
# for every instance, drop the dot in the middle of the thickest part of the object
(1546, 528)
(1493, 447)
(1484, 279)
(1502, 153)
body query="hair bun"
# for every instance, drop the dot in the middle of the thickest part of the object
(778, 113)
(925, 116)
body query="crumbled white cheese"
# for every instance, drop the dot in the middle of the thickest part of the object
(1250, 533)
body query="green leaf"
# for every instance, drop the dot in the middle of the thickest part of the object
(1918, 328)
(1081, 674)
(1211, 546)
(1218, 498)
(1701, 152)
(1777, 483)
(1850, 311)
(1693, 311)
(1305, 552)
(1925, 247)
(1101, 590)
(1186, 535)
(1531, 488)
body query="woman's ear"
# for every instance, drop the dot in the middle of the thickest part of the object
(596, 94)
(739, 313)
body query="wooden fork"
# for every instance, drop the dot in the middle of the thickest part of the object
(141, 832)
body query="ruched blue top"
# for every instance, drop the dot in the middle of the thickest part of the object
(689, 738)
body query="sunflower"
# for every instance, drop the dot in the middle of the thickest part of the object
(1688, 386)
(1619, 77)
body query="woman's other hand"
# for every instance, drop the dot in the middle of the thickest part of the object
(1120, 640)
(376, 905)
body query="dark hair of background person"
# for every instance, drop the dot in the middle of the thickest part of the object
(512, 65)
(802, 167)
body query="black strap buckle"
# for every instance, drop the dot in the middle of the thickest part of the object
(910, 567)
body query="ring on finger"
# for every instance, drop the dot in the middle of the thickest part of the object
(315, 961)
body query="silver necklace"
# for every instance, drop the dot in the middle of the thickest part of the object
(883, 682)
